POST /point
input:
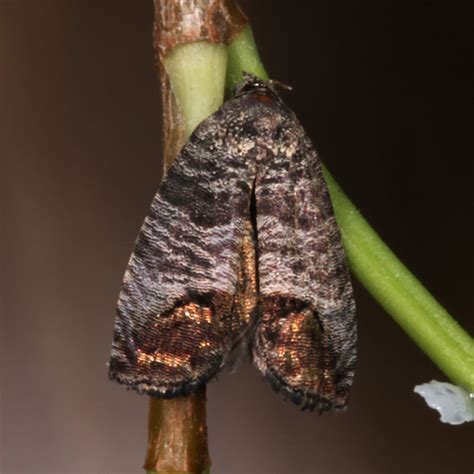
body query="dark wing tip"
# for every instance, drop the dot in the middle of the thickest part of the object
(307, 400)
(298, 357)
(149, 386)
(174, 353)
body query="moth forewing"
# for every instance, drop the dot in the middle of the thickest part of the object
(240, 246)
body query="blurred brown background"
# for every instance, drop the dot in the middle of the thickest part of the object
(385, 90)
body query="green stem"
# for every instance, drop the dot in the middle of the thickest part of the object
(197, 74)
(376, 266)
(243, 56)
(398, 291)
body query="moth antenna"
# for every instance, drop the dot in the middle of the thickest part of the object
(275, 84)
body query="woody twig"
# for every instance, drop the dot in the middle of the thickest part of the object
(190, 39)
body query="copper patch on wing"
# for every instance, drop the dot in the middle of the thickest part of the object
(171, 360)
(185, 343)
(292, 345)
(194, 312)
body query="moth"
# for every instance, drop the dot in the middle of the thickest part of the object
(240, 249)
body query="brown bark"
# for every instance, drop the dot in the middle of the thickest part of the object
(183, 21)
(177, 435)
(177, 439)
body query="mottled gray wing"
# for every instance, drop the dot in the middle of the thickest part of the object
(174, 325)
(305, 341)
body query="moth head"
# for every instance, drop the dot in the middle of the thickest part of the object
(254, 85)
